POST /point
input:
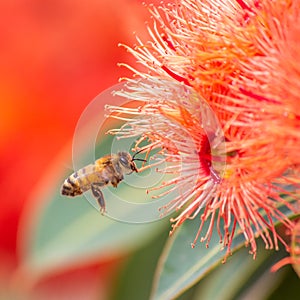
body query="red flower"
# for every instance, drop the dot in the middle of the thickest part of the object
(243, 60)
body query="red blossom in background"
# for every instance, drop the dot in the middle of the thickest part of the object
(55, 57)
(242, 58)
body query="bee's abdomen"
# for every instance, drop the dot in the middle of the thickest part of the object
(72, 186)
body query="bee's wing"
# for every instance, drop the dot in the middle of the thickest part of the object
(85, 171)
(105, 160)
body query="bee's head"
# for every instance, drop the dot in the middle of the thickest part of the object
(127, 161)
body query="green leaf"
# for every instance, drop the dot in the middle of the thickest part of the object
(71, 232)
(242, 277)
(134, 281)
(181, 266)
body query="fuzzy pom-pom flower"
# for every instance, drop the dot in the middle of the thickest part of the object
(242, 59)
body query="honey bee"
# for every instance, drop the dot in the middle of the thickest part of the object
(107, 170)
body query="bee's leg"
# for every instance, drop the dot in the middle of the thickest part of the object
(116, 179)
(97, 193)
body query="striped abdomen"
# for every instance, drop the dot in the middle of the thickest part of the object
(81, 181)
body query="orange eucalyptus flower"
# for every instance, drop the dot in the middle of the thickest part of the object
(241, 58)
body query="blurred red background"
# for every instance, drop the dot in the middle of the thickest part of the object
(55, 57)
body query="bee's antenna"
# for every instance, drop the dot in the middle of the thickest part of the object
(139, 159)
(136, 153)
